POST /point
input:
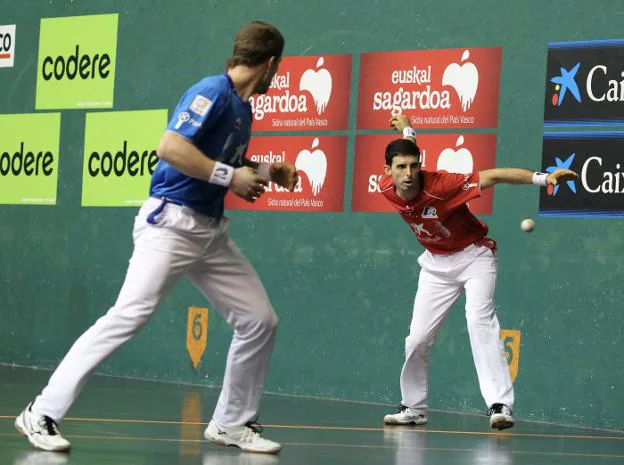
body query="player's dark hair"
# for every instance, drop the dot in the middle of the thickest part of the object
(255, 44)
(401, 147)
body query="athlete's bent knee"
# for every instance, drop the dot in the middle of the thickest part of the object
(416, 343)
(260, 321)
(480, 315)
(268, 320)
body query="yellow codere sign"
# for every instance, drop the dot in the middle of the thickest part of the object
(196, 333)
(511, 342)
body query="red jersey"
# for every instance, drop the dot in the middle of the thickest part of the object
(439, 215)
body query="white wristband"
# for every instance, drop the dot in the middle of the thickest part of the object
(221, 174)
(264, 170)
(409, 132)
(539, 179)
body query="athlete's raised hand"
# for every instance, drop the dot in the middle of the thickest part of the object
(399, 122)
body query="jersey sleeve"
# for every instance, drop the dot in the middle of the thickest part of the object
(198, 111)
(460, 188)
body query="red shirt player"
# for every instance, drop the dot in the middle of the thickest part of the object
(458, 257)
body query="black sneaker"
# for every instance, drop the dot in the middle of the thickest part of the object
(500, 417)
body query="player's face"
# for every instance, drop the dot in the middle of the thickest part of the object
(404, 172)
(267, 77)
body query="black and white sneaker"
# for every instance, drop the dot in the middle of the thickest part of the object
(246, 437)
(405, 416)
(500, 417)
(41, 431)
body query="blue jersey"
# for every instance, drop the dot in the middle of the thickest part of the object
(212, 117)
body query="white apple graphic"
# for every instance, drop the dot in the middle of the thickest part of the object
(459, 161)
(464, 79)
(319, 84)
(314, 165)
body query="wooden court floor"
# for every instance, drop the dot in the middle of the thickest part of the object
(123, 422)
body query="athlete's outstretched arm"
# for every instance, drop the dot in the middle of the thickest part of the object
(521, 176)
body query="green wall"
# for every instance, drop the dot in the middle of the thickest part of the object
(342, 283)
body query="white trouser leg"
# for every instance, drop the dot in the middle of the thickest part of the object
(160, 257)
(229, 281)
(484, 330)
(434, 298)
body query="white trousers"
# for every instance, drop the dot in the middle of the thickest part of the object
(442, 278)
(181, 242)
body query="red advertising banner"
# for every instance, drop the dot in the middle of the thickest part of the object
(454, 153)
(452, 88)
(320, 163)
(308, 92)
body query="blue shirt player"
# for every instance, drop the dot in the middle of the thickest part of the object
(217, 121)
(181, 231)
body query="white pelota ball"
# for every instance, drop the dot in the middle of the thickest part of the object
(527, 225)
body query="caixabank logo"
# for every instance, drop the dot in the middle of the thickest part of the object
(76, 66)
(598, 158)
(584, 83)
(120, 156)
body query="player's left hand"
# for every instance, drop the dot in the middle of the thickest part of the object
(284, 174)
(559, 176)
